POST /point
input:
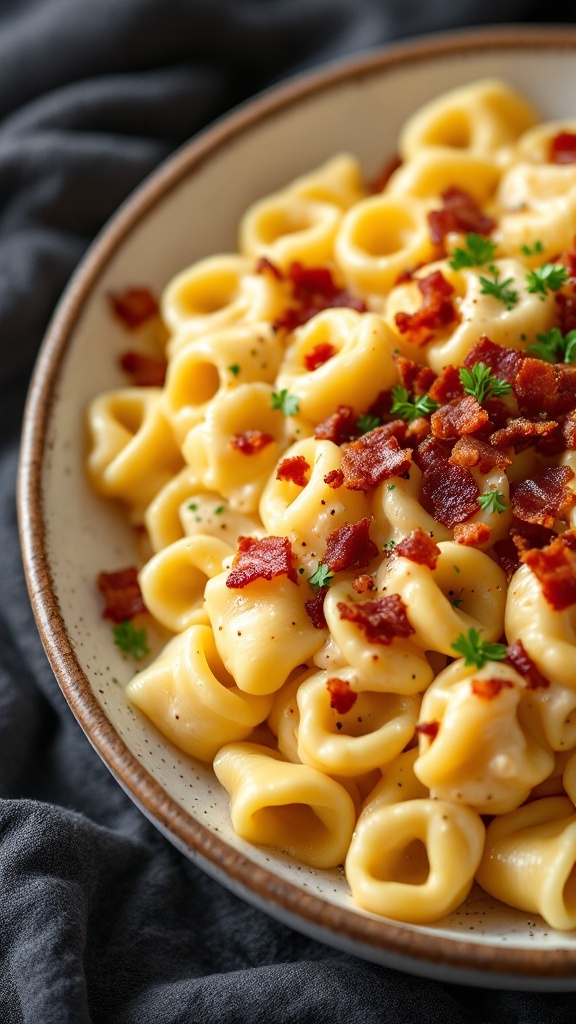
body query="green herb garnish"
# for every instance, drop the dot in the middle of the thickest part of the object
(131, 640)
(409, 407)
(322, 577)
(492, 501)
(482, 384)
(532, 250)
(554, 346)
(478, 250)
(476, 651)
(235, 369)
(283, 400)
(550, 277)
(499, 289)
(366, 423)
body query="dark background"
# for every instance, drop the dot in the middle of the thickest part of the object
(100, 918)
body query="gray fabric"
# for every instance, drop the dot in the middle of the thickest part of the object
(100, 918)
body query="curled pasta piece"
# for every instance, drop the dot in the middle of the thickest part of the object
(284, 717)
(555, 709)
(337, 181)
(360, 366)
(548, 636)
(431, 171)
(397, 783)
(188, 695)
(380, 237)
(162, 517)
(211, 365)
(262, 631)
(415, 860)
(288, 229)
(349, 740)
(132, 451)
(478, 746)
(173, 580)
(530, 860)
(554, 784)
(397, 667)
(537, 210)
(291, 807)
(569, 777)
(462, 575)
(216, 448)
(483, 117)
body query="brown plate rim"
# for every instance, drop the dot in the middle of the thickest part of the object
(374, 938)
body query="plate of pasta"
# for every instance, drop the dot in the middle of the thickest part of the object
(316, 412)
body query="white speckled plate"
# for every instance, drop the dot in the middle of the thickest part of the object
(187, 210)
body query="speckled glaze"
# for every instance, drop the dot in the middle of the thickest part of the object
(189, 209)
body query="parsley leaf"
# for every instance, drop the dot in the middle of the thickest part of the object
(499, 289)
(492, 501)
(235, 369)
(322, 577)
(131, 640)
(482, 384)
(476, 651)
(532, 250)
(549, 277)
(283, 400)
(478, 250)
(366, 423)
(410, 408)
(555, 346)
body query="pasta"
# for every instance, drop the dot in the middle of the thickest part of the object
(357, 488)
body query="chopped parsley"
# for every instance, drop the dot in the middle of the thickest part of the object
(555, 346)
(410, 408)
(283, 400)
(219, 510)
(476, 651)
(456, 601)
(532, 250)
(366, 423)
(391, 487)
(235, 369)
(550, 277)
(492, 501)
(499, 289)
(192, 506)
(390, 545)
(482, 384)
(322, 577)
(131, 640)
(478, 250)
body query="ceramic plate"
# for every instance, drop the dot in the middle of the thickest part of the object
(187, 210)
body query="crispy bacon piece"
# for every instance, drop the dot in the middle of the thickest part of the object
(381, 620)
(363, 583)
(459, 212)
(487, 689)
(350, 547)
(419, 547)
(508, 556)
(373, 458)
(545, 388)
(339, 427)
(313, 289)
(437, 309)
(543, 498)
(146, 372)
(526, 536)
(134, 306)
(261, 559)
(447, 386)
(429, 729)
(250, 442)
(460, 416)
(518, 657)
(450, 494)
(560, 439)
(378, 184)
(562, 148)
(471, 534)
(504, 363)
(566, 302)
(122, 594)
(342, 698)
(417, 431)
(521, 432)
(319, 355)
(334, 479)
(470, 451)
(432, 454)
(555, 569)
(294, 469)
(415, 378)
(381, 405)
(315, 609)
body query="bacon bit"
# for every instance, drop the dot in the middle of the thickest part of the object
(415, 378)
(417, 431)
(313, 289)
(429, 729)
(294, 469)
(543, 498)
(122, 594)
(569, 431)
(339, 427)
(381, 405)
(545, 388)
(350, 547)
(526, 536)
(134, 306)
(460, 212)
(419, 547)
(250, 442)
(265, 266)
(471, 534)
(460, 416)
(487, 689)
(521, 433)
(363, 583)
(555, 569)
(319, 355)
(450, 494)
(503, 362)
(447, 386)
(145, 371)
(373, 458)
(508, 557)
(562, 149)
(519, 659)
(470, 451)
(342, 698)
(561, 438)
(315, 609)
(378, 184)
(437, 309)
(334, 479)
(432, 454)
(381, 620)
(261, 559)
